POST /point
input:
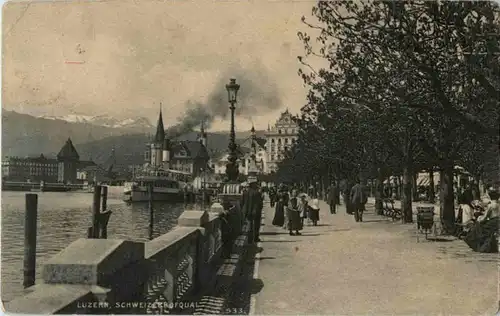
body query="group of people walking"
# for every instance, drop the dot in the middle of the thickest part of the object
(293, 209)
(355, 199)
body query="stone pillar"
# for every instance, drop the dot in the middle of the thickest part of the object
(199, 219)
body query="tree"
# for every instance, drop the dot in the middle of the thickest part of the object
(421, 65)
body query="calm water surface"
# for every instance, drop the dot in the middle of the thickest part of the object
(62, 219)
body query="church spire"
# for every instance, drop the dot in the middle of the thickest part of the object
(160, 130)
(202, 137)
(202, 129)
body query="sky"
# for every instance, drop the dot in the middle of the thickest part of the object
(135, 54)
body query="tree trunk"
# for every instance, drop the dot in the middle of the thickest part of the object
(415, 187)
(406, 205)
(432, 194)
(379, 193)
(447, 199)
(397, 188)
(476, 193)
(400, 181)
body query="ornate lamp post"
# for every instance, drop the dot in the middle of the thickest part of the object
(232, 166)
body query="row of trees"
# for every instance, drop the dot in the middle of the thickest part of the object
(404, 86)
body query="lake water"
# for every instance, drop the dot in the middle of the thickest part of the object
(62, 219)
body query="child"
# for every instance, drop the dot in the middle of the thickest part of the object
(314, 211)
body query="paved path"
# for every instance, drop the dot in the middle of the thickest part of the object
(372, 268)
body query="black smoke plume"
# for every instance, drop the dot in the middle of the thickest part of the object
(257, 95)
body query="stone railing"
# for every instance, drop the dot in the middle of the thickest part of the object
(164, 275)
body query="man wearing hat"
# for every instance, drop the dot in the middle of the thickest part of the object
(252, 204)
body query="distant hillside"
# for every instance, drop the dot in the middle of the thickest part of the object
(25, 135)
(129, 149)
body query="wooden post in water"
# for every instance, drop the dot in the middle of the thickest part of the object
(103, 222)
(30, 221)
(151, 217)
(96, 205)
(104, 197)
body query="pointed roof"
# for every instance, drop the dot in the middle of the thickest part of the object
(160, 130)
(68, 152)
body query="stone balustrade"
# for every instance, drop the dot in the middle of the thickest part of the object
(164, 275)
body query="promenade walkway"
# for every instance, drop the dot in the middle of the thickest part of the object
(372, 268)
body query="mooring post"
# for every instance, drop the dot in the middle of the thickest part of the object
(30, 221)
(151, 217)
(103, 219)
(104, 197)
(96, 205)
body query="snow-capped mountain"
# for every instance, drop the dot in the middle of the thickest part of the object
(104, 120)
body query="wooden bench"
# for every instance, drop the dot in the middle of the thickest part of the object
(396, 212)
(387, 208)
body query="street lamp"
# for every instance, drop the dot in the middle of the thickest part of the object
(232, 167)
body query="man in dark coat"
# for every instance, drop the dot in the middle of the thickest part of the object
(359, 197)
(333, 196)
(252, 204)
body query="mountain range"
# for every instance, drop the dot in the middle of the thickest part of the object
(104, 120)
(95, 137)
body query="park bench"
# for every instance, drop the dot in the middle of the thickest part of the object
(387, 209)
(390, 210)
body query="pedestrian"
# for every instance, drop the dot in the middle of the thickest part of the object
(272, 196)
(359, 197)
(314, 211)
(294, 220)
(347, 197)
(252, 208)
(280, 210)
(303, 207)
(285, 200)
(333, 198)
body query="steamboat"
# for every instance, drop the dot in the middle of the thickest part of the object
(164, 185)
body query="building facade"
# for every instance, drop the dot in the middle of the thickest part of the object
(186, 156)
(267, 152)
(35, 169)
(251, 149)
(280, 138)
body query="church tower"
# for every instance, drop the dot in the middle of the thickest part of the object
(202, 136)
(157, 143)
(67, 162)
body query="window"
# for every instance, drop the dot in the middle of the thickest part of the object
(272, 141)
(279, 141)
(286, 140)
(279, 132)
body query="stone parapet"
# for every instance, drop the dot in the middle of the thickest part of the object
(103, 276)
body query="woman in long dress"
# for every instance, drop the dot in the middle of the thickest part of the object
(279, 213)
(294, 220)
